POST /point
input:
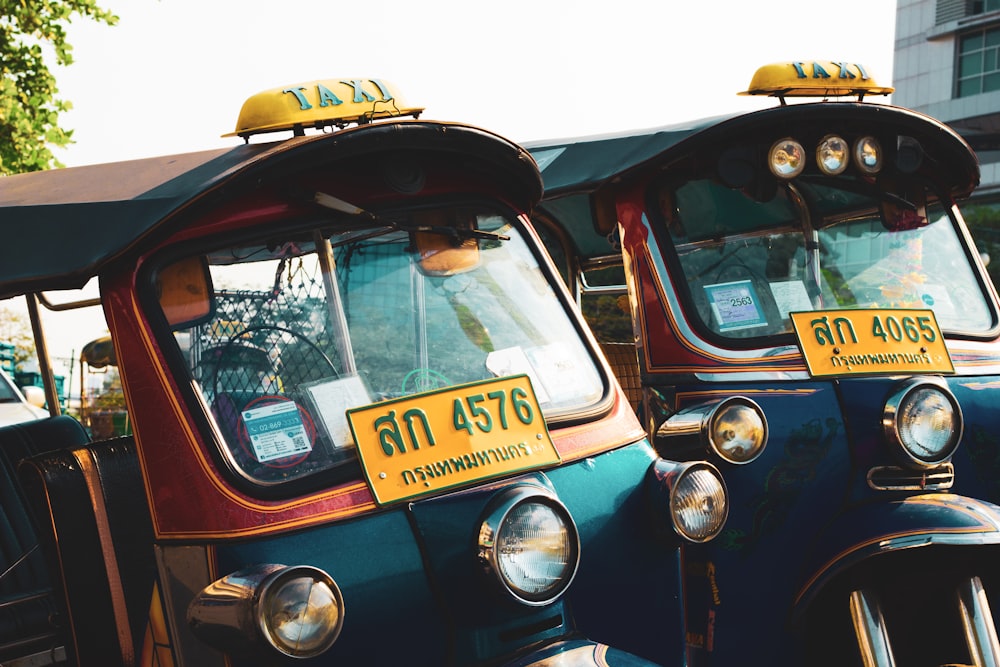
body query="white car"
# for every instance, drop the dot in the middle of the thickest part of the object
(14, 407)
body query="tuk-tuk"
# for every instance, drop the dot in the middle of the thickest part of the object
(792, 294)
(101, 411)
(368, 426)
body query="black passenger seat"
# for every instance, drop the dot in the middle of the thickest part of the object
(29, 618)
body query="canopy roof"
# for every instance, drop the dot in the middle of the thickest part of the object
(574, 169)
(584, 163)
(61, 226)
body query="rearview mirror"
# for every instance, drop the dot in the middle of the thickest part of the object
(440, 256)
(441, 253)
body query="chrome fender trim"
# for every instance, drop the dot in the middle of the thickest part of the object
(905, 523)
(579, 653)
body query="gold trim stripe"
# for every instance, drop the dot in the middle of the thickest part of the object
(972, 508)
(84, 458)
(157, 650)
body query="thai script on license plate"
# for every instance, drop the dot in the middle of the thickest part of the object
(871, 341)
(449, 438)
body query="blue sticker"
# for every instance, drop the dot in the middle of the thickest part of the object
(735, 305)
(276, 431)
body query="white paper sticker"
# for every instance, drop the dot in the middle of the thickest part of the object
(562, 374)
(936, 297)
(513, 361)
(332, 399)
(790, 296)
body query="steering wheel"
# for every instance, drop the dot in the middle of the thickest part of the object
(256, 348)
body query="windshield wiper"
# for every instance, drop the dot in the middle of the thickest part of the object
(457, 233)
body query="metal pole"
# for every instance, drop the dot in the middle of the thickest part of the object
(977, 621)
(44, 366)
(870, 629)
(337, 317)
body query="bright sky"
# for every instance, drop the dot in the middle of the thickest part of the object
(172, 75)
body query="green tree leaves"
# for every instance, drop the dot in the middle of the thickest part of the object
(29, 108)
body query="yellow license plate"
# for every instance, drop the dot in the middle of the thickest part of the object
(872, 341)
(454, 437)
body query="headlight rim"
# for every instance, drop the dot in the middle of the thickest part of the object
(856, 154)
(497, 511)
(708, 428)
(842, 167)
(228, 615)
(891, 429)
(268, 588)
(796, 171)
(687, 469)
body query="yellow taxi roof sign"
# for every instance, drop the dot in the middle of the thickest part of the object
(318, 104)
(814, 78)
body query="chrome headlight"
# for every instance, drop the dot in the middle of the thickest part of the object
(296, 611)
(528, 542)
(696, 497)
(734, 428)
(868, 155)
(832, 155)
(923, 419)
(786, 159)
(737, 430)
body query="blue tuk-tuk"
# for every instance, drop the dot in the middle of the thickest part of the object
(792, 294)
(367, 424)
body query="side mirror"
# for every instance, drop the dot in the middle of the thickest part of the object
(185, 292)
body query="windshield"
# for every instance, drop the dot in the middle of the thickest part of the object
(307, 326)
(747, 264)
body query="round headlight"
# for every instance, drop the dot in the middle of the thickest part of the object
(868, 155)
(698, 503)
(786, 158)
(832, 155)
(924, 420)
(300, 611)
(737, 430)
(530, 544)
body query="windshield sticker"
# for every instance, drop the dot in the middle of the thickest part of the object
(332, 399)
(735, 305)
(790, 295)
(513, 361)
(936, 297)
(562, 373)
(276, 431)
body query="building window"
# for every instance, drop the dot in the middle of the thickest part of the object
(983, 6)
(979, 62)
(947, 11)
